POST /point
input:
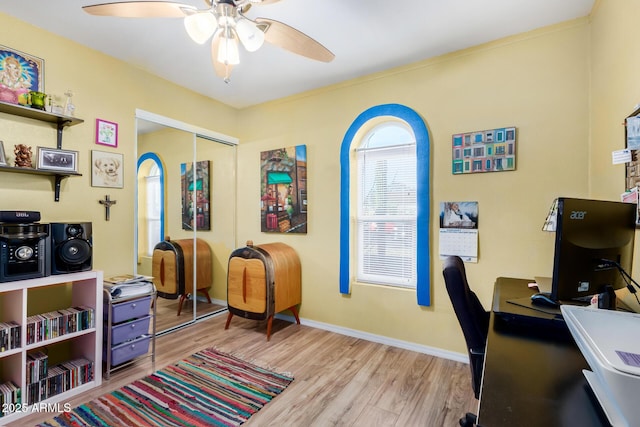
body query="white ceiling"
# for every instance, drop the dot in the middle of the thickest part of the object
(366, 36)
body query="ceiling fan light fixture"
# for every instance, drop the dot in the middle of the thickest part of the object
(249, 34)
(228, 50)
(200, 26)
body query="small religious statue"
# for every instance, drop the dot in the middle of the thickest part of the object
(23, 156)
(69, 108)
(107, 202)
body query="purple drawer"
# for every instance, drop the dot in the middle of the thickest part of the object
(130, 310)
(129, 330)
(129, 350)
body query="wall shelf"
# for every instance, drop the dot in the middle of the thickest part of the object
(59, 121)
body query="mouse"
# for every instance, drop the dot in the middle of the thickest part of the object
(544, 299)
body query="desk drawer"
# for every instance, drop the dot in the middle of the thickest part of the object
(129, 330)
(128, 350)
(130, 309)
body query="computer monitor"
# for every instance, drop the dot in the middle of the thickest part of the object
(588, 233)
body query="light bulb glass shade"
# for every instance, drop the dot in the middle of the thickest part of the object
(228, 50)
(200, 26)
(249, 34)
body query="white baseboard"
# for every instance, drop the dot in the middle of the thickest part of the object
(432, 351)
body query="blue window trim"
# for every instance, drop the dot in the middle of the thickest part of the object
(154, 157)
(423, 288)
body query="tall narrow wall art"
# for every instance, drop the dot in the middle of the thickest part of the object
(194, 181)
(283, 190)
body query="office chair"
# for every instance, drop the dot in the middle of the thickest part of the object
(473, 319)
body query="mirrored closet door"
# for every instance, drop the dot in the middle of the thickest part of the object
(185, 216)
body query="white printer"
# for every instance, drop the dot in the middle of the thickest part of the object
(610, 342)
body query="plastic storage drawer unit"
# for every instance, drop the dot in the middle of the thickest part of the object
(130, 310)
(129, 330)
(129, 350)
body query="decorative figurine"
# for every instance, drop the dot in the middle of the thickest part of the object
(23, 156)
(69, 108)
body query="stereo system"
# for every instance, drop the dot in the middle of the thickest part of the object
(30, 250)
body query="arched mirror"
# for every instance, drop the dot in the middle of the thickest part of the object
(185, 216)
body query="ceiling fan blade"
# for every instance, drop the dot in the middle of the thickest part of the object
(140, 9)
(222, 70)
(294, 41)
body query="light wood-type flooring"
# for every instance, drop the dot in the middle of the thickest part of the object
(339, 380)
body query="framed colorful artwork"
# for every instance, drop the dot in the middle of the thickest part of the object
(106, 133)
(194, 181)
(19, 74)
(283, 188)
(492, 150)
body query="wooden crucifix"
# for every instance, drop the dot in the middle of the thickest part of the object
(107, 202)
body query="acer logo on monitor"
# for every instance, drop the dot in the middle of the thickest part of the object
(578, 214)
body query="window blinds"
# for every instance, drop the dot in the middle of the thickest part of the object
(386, 215)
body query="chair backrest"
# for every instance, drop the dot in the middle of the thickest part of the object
(473, 318)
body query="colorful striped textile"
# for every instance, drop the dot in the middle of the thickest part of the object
(209, 388)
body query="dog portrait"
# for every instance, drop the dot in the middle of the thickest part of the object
(106, 169)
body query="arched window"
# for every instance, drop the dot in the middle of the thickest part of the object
(384, 226)
(151, 207)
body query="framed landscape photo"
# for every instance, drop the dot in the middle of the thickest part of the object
(3, 158)
(106, 133)
(57, 160)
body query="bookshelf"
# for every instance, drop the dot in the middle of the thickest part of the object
(68, 340)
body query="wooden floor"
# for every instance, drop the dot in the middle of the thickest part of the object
(339, 380)
(167, 312)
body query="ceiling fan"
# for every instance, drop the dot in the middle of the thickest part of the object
(224, 22)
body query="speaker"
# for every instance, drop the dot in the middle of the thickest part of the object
(22, 217)
(71, 247)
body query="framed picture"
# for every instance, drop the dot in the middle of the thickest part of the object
(106, 133)
(58, 160)
(107, 169)
(19, 74)
(194, 178)
(3, 157)
(283, 190)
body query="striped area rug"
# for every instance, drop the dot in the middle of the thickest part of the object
(209, 388)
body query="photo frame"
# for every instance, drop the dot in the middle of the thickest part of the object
(195, 181)
(57, 160)
(283, 190)
(107, 169)
(3, 157)
(491, 150)
(19, 74)
(106, 133)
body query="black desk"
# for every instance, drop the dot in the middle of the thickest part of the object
(532, 378)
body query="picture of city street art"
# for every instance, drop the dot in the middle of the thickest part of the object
(283, 190)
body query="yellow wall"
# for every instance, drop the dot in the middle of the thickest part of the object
(615, 93)
(103, 88)
(537, 82)
(547, 83)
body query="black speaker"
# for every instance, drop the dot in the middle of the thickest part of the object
(71, 247)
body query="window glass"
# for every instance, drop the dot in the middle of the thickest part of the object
(386, 209)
